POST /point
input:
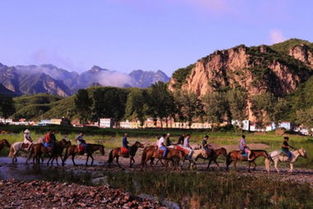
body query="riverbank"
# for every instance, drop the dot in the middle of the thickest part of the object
(47, 194)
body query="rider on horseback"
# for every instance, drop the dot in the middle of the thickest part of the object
(181, 139)
(205, 144)
(162, 146)
(187, 146)
(125, 147)
(285, 147)
(243, 146)
(168, 140)
(49, 140)
(81, 143)
(27, 139)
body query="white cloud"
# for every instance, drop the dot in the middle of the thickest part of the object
(276, 36)
(111, 78)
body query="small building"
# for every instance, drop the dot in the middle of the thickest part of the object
(106, 123)
(285, 125)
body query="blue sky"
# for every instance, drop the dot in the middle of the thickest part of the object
(124, 35)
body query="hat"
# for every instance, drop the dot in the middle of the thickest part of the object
(26, 131)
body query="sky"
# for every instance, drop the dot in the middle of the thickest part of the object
(124, 35)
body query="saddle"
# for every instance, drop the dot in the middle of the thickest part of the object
(124, 151)
(180, 148)
(81, 148)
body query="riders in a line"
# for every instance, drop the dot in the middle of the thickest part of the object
(187, 146)
(27, 139)
(243, 147)
(49, 140)
(285, 147)
(81, 141)
(162, 146)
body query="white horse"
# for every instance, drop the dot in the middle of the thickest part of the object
(277, 157)
(195, 155)
(17, 147)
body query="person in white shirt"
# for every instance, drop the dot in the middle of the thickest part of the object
(27, 139)
(162, 146)
(186, 144)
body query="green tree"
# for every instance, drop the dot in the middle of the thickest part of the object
(7, 107)
(83, 105)
(215, 107)
(305, 117)
(263, 108)
(109, 102)
(160, 102)
(136, 105)
(188, 106)
(237, 103)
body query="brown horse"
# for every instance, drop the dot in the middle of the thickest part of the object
(116, 153)
(213, 154)
(4, 143)
(237, 156)
(73, 150)
(152, 152)
(37, 151)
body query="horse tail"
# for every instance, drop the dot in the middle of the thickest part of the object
(228, 159)
(11, 153)
(143, 157)
(110, 160)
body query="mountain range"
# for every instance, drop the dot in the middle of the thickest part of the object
(34, 79)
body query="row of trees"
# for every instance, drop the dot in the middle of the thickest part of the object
(7, 107)
(157, 102)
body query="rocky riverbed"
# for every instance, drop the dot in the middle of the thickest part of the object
(45, 194)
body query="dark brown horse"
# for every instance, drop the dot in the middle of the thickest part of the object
(116, 153)
(38, 150)
(237, 156)
(152, 152)
(73, 150)
(213, 154)
(3, 143)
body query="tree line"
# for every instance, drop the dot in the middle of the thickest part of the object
(158, 102)
(7, 107)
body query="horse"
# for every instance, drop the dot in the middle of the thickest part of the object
(56, 151)
(3, 143)
(152, 152)
(236, 155)
(212, 155)
(277, 157)
(15, 148)
(73, 150)
(116, 153)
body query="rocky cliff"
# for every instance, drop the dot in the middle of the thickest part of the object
(256, 70)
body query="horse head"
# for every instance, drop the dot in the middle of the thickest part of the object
(6, 143)
(302, 152)
(139, 145)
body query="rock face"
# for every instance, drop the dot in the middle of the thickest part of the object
(303, 53)
(256, 70)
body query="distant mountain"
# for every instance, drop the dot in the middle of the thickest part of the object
(25, 81)
(5, 91)
(145, 79)
(70, 79)
(33, 79)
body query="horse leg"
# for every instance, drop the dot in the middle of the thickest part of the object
(254, 168)
(92, 159)
(86, 164)
(291, 168)
(235, 165)
(249, 163)
(276, 165)
(118, 162)
(73, 156)
(131, 158)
